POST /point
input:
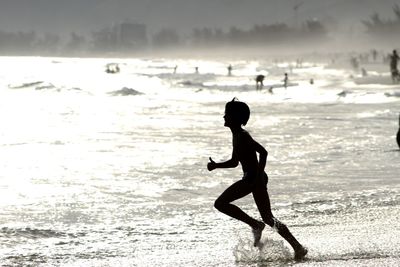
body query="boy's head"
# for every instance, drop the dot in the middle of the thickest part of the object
(238, 112)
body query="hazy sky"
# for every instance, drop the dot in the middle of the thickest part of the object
(83, 16)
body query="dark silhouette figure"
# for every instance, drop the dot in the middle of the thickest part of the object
(175, 68)
(196, 70)
(393, 66)
(259, 82)
(254, 180)
(230, 70)
(398, 134)
(286, 81)
(374, 54)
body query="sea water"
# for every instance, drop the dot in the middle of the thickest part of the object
(102, 169)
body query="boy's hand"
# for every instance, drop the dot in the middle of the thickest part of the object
(211, 165)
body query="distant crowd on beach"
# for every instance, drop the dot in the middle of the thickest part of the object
(259, 79)
(356, 63)
(391, 59)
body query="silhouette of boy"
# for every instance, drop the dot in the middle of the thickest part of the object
(254, 180)
(398, 134)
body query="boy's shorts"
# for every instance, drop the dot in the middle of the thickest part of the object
(251, 177)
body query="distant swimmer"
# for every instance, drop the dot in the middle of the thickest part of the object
(286, 81)
(175, 68)
(259, 82)
(254, 180)
(393, 66)
(230, 70)
(196, 69)
(398, 134)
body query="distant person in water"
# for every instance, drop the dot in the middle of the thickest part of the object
(175, 68)
(398, 134)
(254, 180)
(196, 70)
(286, 81)
(259, 82)
(374, 54)
(230, 70)
(393, 66)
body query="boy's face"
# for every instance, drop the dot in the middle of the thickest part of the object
(228, 119)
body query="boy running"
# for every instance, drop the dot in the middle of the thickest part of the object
(254, 180)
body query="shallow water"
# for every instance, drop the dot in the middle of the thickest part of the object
(93, 177)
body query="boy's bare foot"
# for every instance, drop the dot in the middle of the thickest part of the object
(300, 253)
(257, 232)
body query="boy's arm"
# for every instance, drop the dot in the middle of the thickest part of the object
(232, 163)
(263, 154)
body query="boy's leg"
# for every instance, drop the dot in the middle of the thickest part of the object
(232, 193)
(261, 198)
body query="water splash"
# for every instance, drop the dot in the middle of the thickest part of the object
(270, 250)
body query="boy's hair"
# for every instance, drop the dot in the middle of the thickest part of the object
(240, 111)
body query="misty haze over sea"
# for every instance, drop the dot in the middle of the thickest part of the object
(89, 28)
